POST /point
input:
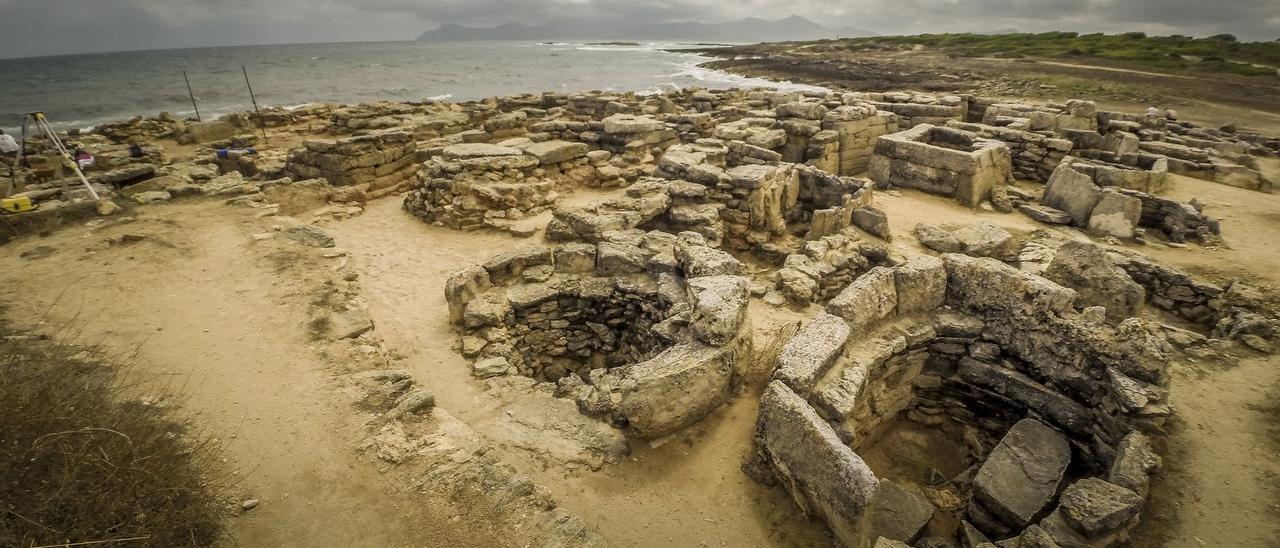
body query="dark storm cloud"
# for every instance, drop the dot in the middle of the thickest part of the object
(43, 27)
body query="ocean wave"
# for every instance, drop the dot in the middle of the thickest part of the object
(442, 97)
(617, 48)
(720, 78)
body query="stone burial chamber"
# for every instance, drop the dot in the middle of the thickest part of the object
(942, 160)
(645, 330)
(961, 400)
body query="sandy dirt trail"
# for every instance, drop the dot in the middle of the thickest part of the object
(689, 491)
(193, 308)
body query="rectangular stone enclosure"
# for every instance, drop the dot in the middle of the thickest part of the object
(942, 160)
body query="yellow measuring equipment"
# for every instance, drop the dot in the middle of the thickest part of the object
(17, 205)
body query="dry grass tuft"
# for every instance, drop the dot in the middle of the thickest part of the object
(765, 352)
(80, 462)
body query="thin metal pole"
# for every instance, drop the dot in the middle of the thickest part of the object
(192, 94)
(261, 125)
(43, 124)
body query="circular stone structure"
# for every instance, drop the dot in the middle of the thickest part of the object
(647, 330)
(962, 397)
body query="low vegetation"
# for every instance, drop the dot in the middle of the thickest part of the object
(84, 461)
(1218, 54)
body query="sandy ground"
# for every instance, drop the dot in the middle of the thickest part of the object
(190, 306)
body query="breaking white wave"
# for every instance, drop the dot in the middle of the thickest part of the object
(715, 78)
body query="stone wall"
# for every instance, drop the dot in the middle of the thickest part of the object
(914, 109)
(379, 160)
(942, 160)
(1034, 156)
(825, 266)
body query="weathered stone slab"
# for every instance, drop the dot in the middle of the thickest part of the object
(826, 478)
(1095, 507)
(869, 299)
(626, 124)
(1041, 399)
(554, 152)
(897, 514)
(468, 151)
(809, 354)
(675, 388)
(1046, 214)
(1021, 476)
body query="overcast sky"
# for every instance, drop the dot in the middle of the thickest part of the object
(49, 27)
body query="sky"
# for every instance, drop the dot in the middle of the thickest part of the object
(53, 27)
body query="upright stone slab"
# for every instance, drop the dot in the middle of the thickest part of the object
(826, 478)
(1072, 192)
(869, 299)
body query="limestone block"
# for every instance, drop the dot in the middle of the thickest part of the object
(1115, 214)
(719, 307)
(1134, 464)
(554, 152)
(1073, 192)
(1096, 507)
(921, 283)
(811, 351)
(824, 476)
(575, 258)
(1021, 476)
(1088, 269)
(675, 388)
(870, 298)
(462, 286)
(897, 514)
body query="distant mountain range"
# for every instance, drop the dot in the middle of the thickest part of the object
(750, 29)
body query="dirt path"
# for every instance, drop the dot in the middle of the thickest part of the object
(193, 308)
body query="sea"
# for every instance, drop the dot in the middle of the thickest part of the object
(79, 91)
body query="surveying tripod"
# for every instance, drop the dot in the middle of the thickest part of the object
(42, 125)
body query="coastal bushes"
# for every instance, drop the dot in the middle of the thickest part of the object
(1218, 54)
(84, 460)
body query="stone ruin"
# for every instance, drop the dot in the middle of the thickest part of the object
(732, 198)
(648, 332)
(376, 161)
(942, 160)
(471, 185)
(1090, 197)
(1045, 408)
